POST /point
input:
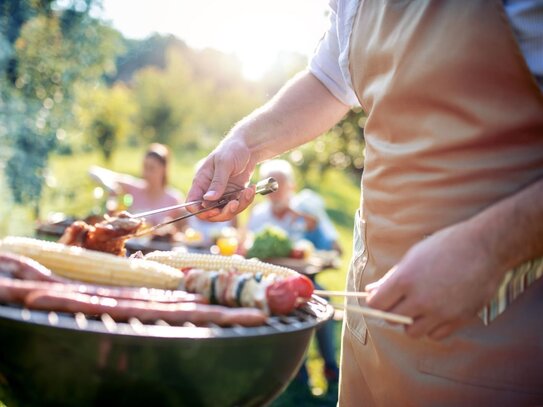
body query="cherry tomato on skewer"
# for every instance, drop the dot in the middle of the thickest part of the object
(282, 297)
(302, 285)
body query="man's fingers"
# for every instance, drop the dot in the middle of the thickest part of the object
(376, 284)
(233, 207)
(200, 184)
(385, 294)
(210, 214)
(197, 189)
(246, 198)
(226, 213)
(385, 299)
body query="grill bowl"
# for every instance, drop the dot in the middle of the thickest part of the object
(55, 359)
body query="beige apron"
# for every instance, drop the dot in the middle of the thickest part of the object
(455, 123)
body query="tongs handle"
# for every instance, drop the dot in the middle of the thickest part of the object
(266, 186)
(263, 187)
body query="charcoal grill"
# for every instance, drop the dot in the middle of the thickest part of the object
(59, 359)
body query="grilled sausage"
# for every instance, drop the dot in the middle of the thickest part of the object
(25, 268)
(122, 310)
(12, 290)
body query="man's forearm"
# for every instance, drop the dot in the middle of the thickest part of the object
(511, 231)
(302, 110)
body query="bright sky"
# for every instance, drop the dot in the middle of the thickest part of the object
(254, 30)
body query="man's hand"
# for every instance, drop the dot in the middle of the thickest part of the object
(303, 109)
(227, 168)
(441, 282)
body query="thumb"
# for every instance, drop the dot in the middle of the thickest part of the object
(221, 174)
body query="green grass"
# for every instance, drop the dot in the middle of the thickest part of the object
(70, 191)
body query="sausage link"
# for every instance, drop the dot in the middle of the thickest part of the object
(25, 268)
(122, 310)
(12, 290)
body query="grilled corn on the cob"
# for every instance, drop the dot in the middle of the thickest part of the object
(181, 260)
(92, 266)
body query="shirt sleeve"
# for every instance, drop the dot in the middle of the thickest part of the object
(324, 63)
(328, 228)
(255, 218)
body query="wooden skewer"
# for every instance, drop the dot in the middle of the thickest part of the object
(387, 316)
(327, 293)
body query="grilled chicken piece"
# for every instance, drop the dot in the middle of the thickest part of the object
(106, 236)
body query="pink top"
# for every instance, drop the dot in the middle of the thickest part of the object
(143, 202)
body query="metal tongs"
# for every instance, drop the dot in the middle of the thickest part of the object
(263, 187)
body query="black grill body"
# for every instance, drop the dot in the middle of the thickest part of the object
(56, 359)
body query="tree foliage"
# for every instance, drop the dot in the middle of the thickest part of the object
(341, 148)
(52, 59)
(46, 52)
(106, 116)
(190, 103)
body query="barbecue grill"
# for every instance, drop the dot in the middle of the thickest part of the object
(59, 359)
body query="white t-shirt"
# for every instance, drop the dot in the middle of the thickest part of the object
(306, 201)
(330, 63)
(262, 217)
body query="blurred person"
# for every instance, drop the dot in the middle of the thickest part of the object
(277, 209)
(450, 226)
(149, 192)
(324, 236)
(301, 218)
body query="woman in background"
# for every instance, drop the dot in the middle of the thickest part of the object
(149, 192)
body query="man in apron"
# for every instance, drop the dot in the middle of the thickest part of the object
(450, 230)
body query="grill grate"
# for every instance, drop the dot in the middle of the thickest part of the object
(315, 311)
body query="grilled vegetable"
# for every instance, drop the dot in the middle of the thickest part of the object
(92, 266)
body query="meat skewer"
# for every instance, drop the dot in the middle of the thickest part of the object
(272, 294)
